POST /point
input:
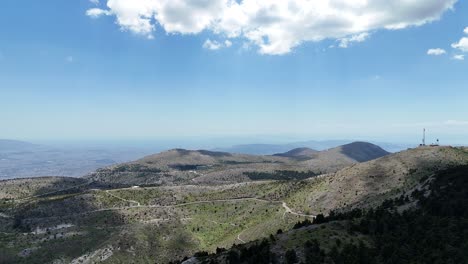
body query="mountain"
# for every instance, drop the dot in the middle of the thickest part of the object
(356, 152)
(301, 153)
(271, 149)
(180, 166)
(82, 221)
(361, 151)
(333, 159)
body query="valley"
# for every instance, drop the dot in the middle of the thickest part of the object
(168, 206)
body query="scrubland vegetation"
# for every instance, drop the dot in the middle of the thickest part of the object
(63, 220)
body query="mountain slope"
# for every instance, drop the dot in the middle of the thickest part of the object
(368, 183)
(431, 232)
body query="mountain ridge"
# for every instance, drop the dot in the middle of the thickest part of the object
(203, 166)
(271, 149)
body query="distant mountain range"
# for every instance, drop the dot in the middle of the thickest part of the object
(183, 166)
(24, 159)
(270, 149)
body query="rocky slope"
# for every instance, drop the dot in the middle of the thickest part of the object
(368, 183)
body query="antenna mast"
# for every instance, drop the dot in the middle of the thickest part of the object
(424, 137)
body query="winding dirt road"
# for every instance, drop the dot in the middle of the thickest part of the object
(122, 199)
(138, 205)
(290, 211)
(239, 238)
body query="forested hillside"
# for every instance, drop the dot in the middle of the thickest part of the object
(430, 225)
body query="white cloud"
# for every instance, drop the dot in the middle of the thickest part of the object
(212, 45)
(215, 45)
(97, 12)
(436, 52)
(274, 26)
(96, 2)
(344, 42)
(461, 45)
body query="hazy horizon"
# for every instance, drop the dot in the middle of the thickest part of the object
(214, 142)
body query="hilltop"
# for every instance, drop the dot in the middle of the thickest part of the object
(299, 153)
(361, 151)
(337, 158)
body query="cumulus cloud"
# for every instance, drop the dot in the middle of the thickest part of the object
(274, 26)
(96, 2)
(436, 52)
(215, 45)
(459, 57)
(212, 45)
(344, 42)
(97, 12)
(462, 44)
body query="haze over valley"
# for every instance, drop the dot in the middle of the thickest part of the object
(20, 159)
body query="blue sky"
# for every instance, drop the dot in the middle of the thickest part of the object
(68, 75)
